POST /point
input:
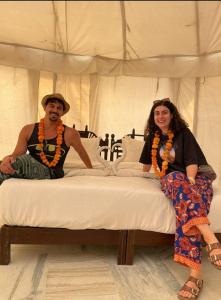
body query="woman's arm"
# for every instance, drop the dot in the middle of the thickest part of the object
(191, 172)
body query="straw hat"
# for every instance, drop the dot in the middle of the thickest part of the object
(56, 96)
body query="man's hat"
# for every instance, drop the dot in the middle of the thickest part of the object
(58, 97)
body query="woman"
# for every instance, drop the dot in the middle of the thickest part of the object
(175, 155)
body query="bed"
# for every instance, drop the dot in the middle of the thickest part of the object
(113, 204)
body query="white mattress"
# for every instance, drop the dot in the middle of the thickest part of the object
(92, 202)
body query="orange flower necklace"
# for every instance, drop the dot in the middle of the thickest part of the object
(41, 137)
(166, 152)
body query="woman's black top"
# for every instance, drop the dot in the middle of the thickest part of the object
(185, 151)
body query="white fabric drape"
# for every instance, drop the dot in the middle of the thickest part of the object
(209, 121)
(158, 39)
(75, 89)
(185, 99)
(18, 101)
(119, 104)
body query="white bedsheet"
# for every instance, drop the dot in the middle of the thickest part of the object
(92, 202)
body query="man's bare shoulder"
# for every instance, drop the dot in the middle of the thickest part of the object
(71, 131)
(29, 126)
(72, 136)
(27, 129)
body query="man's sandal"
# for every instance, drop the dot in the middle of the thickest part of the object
(193, 291)
(213, 258)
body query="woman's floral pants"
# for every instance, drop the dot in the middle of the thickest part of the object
(191, 203)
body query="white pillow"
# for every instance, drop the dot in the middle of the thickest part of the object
(91, 146)
(132, 149)
(130, 156)
(128, 164)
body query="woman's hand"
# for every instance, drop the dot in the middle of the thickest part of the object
(191, 172)
(191, 180)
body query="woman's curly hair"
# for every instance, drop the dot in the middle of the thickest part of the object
(177, 122)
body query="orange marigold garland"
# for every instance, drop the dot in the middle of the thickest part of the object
(166, 152)
(41, 137)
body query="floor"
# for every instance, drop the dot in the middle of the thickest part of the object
(89, 272)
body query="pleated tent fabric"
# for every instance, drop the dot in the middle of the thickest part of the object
(116, 55)
(137, 38)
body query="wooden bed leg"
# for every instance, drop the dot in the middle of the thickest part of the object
(5, 249)
(122, 247)
(130, 247)
(218, 235)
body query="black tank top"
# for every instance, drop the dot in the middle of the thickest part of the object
(49, 150)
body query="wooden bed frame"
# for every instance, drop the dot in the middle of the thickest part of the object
(57, 236)
(124, 240)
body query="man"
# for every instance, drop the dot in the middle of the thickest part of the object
(48, 143)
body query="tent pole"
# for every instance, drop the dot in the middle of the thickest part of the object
(176, 89)
(66, 24)
(197, 82)
(55, 77)
(198, 46)
(57, 28)
(124, 32)
(196, 102)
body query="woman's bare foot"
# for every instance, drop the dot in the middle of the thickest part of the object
(214, 253)
(210, 238)
(187, 294)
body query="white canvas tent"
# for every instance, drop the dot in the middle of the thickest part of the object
(111, 59)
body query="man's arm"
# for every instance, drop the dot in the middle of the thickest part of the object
(75, 141)
(21, 148)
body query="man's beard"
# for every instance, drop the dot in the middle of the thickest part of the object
(53, 117)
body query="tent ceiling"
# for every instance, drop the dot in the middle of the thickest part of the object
(106, 33)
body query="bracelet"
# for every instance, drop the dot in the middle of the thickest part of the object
(191, 180)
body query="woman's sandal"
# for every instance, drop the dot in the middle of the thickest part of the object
(193, 291)
(213, 258)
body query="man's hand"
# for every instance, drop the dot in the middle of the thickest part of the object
(6, 167)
